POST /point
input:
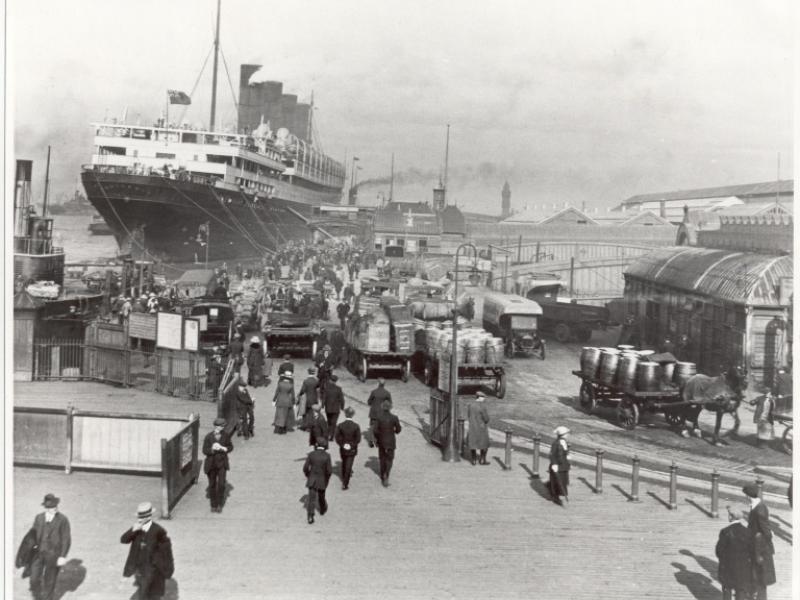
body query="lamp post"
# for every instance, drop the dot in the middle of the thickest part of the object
(452, 453)
(505, 266)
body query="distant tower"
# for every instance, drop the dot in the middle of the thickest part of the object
(506, 195)
(439, 197)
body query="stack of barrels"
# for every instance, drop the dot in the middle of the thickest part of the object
(475, 345)
(631, 370)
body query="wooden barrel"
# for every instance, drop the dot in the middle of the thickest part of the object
(609, 359)
(625, 348)
(667, 372)
(647, 376)
(476, 349)
(626, 371)
(590, 361)
(683, 371)
(495, 350)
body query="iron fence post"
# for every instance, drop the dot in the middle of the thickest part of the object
(715, 494)
(598, 472)
(536, 442)
(68, 458)
(635, 480)
(673, 486)
(508, 449)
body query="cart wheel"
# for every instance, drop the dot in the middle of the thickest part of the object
(500, 385)
(675, 419)
(428, 372)
(406, 371)
(563, 333)
(313, 349)
(586, 397)
(787, 440)
(362, 376)
(628, 414)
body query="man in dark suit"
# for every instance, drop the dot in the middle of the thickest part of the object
(324, 361)
(216, 446)
(307, 397)
(334, 404)
(317, 470)
(244, 410)
(384, 431)
(735, 560)
(52, 534)
(236, 350)
(348, 436)
(317, 426)
(286, 365)
(150, 555)
(376, 400)
(761, 547)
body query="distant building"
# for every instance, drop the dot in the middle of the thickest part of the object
(670, 204)
(505, 194)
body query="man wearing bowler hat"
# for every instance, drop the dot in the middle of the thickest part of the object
(216, 446)
(761, 543)
(348, 436)
(334, 403)
(317, 470)
(53, 539)
(150, 554)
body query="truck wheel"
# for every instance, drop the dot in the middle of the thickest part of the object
(563, 333)
(500, 385)
(583, 335)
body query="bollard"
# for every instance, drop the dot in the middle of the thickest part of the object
(760, 486)
(508, 449)
(635, 480)
(536, 441)
(673, 486)
(461, 437)
(598, 473)
(714, 494)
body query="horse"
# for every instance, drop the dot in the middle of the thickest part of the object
(722, 394)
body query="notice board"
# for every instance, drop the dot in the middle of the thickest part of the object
(169, 331)
(142, 325)
(191, 335)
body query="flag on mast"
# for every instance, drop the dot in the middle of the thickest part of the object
(178, 97)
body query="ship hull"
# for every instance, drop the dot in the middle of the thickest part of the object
(157, 218)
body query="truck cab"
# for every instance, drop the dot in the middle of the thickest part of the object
(515, 319)
(562, 316)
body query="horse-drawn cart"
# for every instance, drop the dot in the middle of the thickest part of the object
(360, 362)
(631, 404)
(491, 375)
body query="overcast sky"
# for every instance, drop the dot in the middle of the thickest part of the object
(570, 101)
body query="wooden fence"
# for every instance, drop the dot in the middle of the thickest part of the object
(109, 441)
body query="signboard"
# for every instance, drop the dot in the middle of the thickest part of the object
(169, 331)
(191, 335)
(186, 447)
(142, 325)
(443, 382)
(203, 320)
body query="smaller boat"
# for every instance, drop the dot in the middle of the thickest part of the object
(98, 226)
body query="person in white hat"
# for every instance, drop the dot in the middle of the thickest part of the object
(150, 555)
(255, 363)
(559, 466)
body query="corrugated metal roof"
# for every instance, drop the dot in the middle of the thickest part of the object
(738, 277)
(749, 189)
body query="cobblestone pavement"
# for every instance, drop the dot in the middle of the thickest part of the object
(440, 531)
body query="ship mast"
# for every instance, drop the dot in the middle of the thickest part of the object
(214, 75)
(46, 184)
(446, 158)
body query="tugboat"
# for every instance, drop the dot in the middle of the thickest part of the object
(98, 226)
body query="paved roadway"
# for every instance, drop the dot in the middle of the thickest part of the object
(440, 531)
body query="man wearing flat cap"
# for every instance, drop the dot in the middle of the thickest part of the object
(334, 404)
(216, 446)
(306, 398)
(761, 543)
(52, 535)
(384, 432)
(559, 466)
(317, 470)
(150, 554)
(348, 437)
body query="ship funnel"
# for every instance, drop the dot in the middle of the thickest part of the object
(22, 197)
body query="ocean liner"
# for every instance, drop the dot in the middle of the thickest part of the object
(184, 195)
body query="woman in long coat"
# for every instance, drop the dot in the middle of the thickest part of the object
(284, 402)
(559, 466)
(762, 417)
(478, 436)
(255, 363)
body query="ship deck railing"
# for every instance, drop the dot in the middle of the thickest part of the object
(174, 175)
(31, 245)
